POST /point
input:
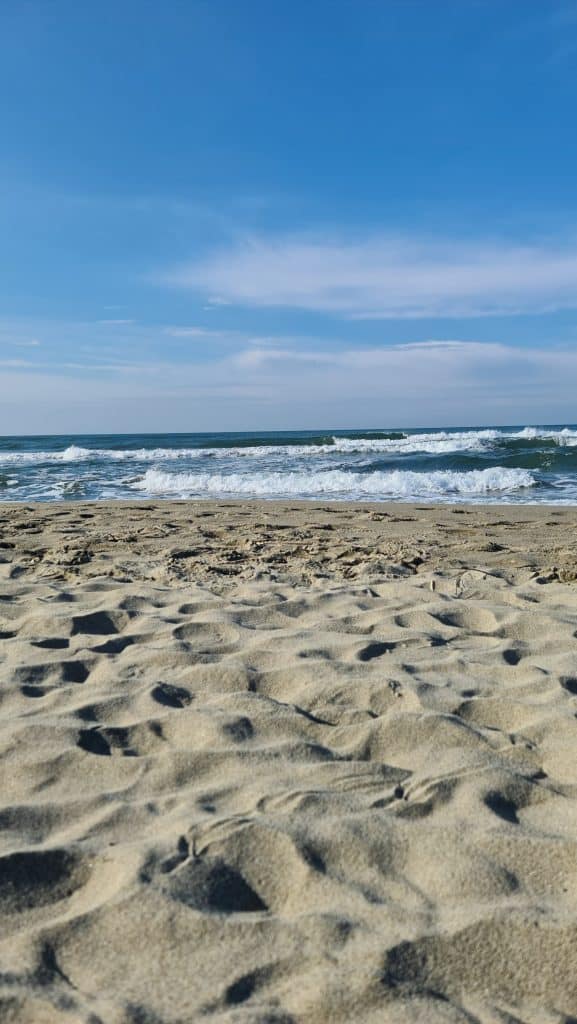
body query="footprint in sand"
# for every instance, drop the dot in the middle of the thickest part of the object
(99, 623)
(211, 886)
(35, 878)
(171, 696)
(375, 650)
(207, 638)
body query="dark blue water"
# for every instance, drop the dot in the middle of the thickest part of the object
(504, 464)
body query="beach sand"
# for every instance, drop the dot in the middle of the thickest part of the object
(288, 763)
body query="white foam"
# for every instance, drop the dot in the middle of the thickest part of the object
(339, 483)
(76, 454)
(433, 444)
(566, 436)
(71, 454)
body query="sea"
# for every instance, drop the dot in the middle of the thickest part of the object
(504, 465)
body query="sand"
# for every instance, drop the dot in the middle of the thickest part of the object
(287, 763)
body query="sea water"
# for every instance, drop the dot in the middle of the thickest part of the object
(522, 464)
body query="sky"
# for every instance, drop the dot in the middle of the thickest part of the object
(256, 214)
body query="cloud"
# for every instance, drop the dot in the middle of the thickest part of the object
(443, 366)
(413, 351)
(387, 278)
(116, 323)
(191, 332)
(431, 382)
(256, 357)
(230, 337)
(20, 342)
(299, 383)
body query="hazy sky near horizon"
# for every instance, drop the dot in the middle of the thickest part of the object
(247, 214)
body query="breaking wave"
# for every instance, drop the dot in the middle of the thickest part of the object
(337, 483)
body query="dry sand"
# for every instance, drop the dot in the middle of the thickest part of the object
(287, 763)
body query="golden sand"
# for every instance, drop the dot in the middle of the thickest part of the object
(272, 763)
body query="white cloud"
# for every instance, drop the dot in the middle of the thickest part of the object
(387, 277)
(226, 336)
(256, 357)
(408, 353)
(116, 323)
(424, 383)
(434, 367)
(20, 342)
(191, 332)
(430, 382)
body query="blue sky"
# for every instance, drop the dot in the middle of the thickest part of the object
(247, 214)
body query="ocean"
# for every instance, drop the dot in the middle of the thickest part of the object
(522, 464)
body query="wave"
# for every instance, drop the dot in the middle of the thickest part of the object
(442, 441)
(436, 444)
(566, 436)
(338, 446)
(433, 443)
(338, 483)
(76, 454)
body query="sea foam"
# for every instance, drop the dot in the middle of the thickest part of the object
(339, 483)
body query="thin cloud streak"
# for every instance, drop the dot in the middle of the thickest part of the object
(430, 382)
(32, 343)
(116, 323)
(386, 278)
(200, 333)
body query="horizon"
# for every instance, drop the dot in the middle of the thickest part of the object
(224, 217)
(318, 431)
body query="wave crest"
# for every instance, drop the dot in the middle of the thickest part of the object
(338, 483)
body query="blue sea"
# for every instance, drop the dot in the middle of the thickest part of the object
(518, 464)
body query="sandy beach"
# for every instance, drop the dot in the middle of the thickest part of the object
(294, 762)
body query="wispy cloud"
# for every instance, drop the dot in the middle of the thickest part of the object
(228, 337)
(444, 364)
(117, 323)
(431, 381)
(427, 382)
(387, 278)
(19, 342)
(192, 332)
